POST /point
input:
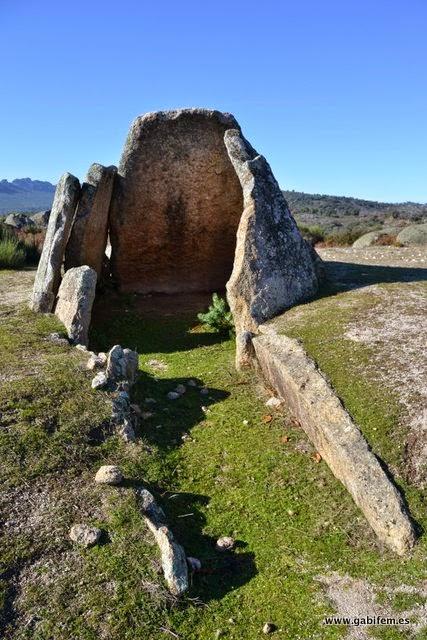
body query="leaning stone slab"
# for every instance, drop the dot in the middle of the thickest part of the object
(273, 265)
(296, 379)
(88, 238)
(75, 299)
(174, 561)
(48, 275)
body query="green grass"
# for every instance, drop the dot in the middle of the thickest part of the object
(292, 519)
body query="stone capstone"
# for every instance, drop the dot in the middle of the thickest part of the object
(48, 275)
(75, 299)
(176, 204)
(88, 238)
(273, 265)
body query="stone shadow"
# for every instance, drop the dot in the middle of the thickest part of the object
(221, 571)
(346, 276)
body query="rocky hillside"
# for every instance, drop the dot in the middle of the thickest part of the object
(24, 194)
(339, 211)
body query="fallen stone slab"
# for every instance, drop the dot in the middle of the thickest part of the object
(274, 267)
(48, 275)
(174, 561)
(88, 237)
(75, 299)
(296, 379)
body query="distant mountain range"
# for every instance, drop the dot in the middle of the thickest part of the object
(24, 194)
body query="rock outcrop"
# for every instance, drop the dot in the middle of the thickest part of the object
(48, 275)
(176, 204)
(75, 299)
(18, 220)
(40, 219)
(88, 238)
(273, 265)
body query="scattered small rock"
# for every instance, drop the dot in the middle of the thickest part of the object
(56, 338)
(99, 381)
(191, 383)
(245, 422)
(84, 535)
(269, 627)
(204, 391)
(173, 395)
(273, 402)
(109, 474)
(225, 543)
(81, 347)
(145, 415)
(150, 401)
(180, 389)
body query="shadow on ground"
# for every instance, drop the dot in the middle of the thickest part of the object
(345, 276)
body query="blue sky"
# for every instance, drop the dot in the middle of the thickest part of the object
(332, 92)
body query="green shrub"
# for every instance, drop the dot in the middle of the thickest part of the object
(313, 234)
(218, 317)
(12, 254)
(343, 238)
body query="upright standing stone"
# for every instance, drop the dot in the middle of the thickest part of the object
(176, 204)
(75, 299)
(273, 265)
(48, 275)
(88, 238)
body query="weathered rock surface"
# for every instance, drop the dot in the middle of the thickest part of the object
(273, 266)
(174, 562)
(176, 204)
(88, 238)
(84, 535)
(48, 275)
(109, 474)
(75, 299)
(294, 376)
(414, 235)
(18, 220)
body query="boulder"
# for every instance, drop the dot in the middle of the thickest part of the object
(88, 238)
(75, 299)
(109, 474)
(371, 238)
(414, 235)
(176, 204)
(122, 364)
(85, 535)
(40, 219)
(273, 267)
(48, 275)
(18, 220)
